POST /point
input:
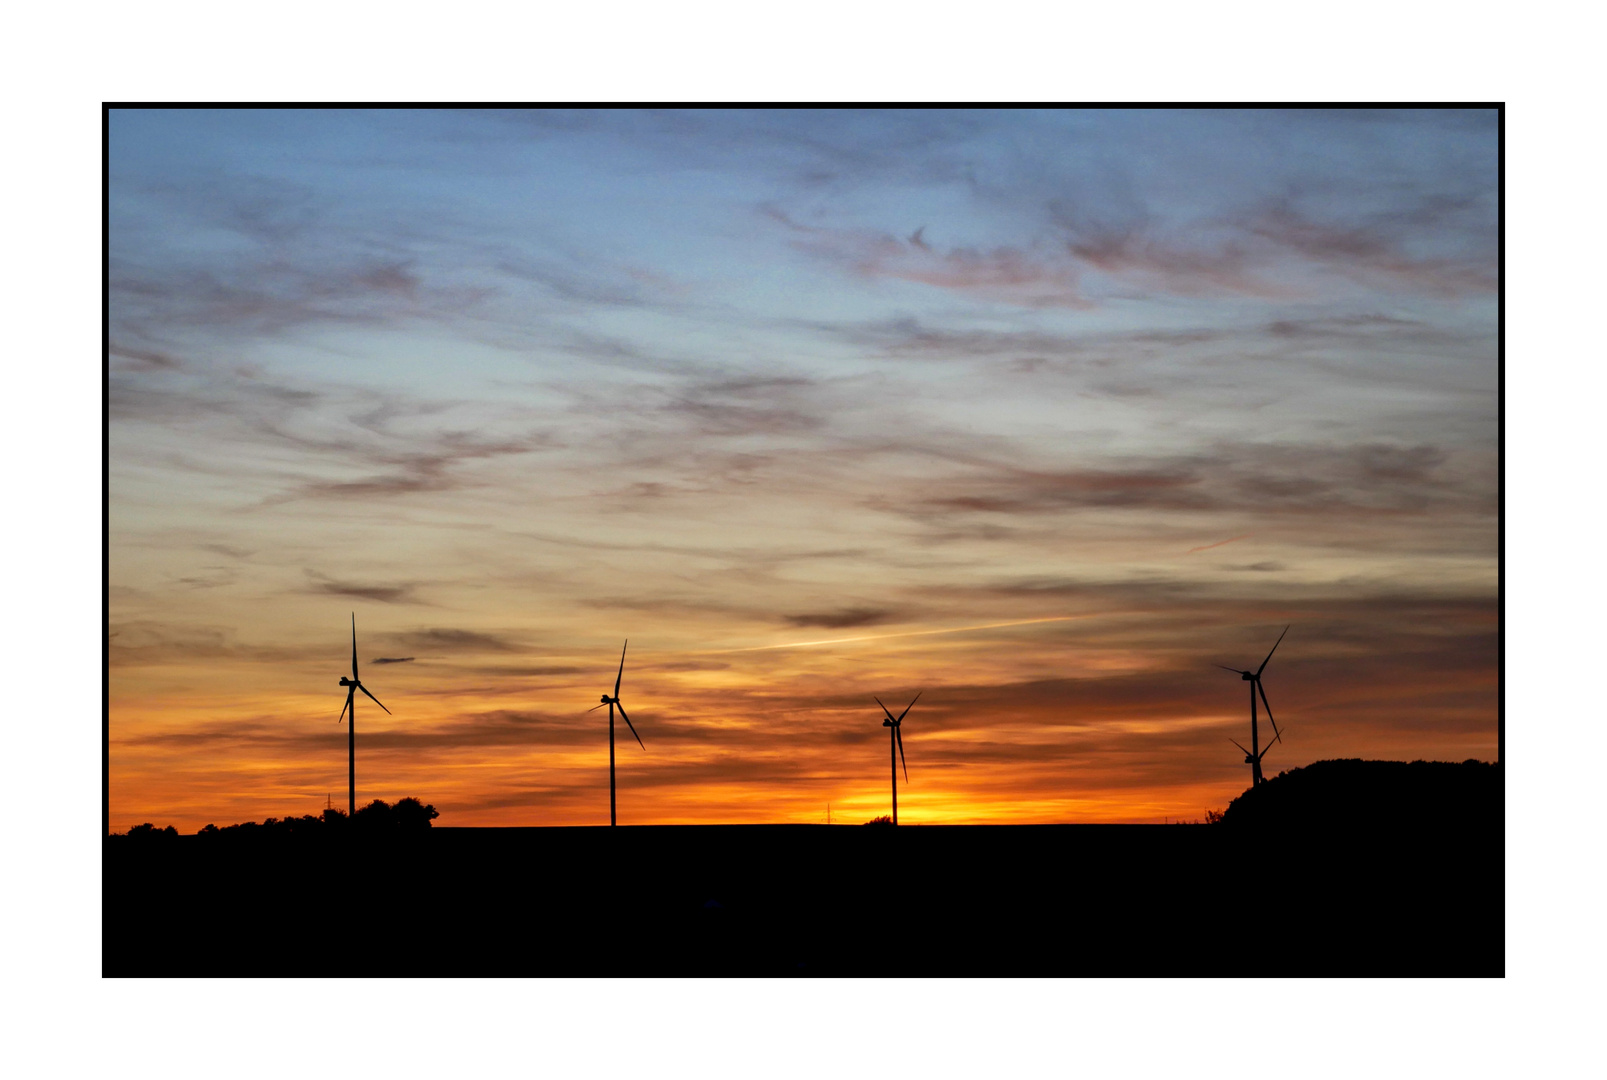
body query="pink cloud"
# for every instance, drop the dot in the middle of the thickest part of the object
(1010, 275)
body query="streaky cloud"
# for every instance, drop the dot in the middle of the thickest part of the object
(446, 639)
(1005, 274)
(382, 594)
(841, 618)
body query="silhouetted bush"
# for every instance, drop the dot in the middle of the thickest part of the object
(146, 831)
(885, 819)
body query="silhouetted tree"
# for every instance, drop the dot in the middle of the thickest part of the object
(376, 815)
(412, 814)
(306, 825)
(408, 814)
(885, 819)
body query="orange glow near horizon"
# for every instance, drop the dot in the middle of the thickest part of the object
(773, 745)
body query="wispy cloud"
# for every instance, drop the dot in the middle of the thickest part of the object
(1219, 543)
(412, 472)
(134, 359)
(1261, 477)
(1212, 261)
(449, 640)
(905, 634)
(1006, 274)
(229, 550)
(380, 593)
(1372, 250)
(843, 617)
(135, 642)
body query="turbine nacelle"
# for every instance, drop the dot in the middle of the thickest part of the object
(344, 681)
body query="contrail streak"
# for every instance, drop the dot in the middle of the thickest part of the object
(1219, 543)
(908, 633)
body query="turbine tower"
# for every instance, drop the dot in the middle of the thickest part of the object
(352, 686)
(895, 745)
(1253, 756)
(612, 702)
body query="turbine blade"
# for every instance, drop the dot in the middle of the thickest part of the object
(621, 674)
(371, 697)
(354, 646)
(631, 726)
(344, 707)
(1236, 742)
(911, 705)
(1277, 735)
(1224, 667)
(898, 733)
(1275, 645)
(595, 707)
(885, 709)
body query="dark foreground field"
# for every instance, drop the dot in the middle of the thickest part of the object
(1063, 900)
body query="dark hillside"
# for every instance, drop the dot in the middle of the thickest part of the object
(1366, 796)
(1043, 900)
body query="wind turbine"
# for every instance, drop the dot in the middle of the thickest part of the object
(352, 686)
(1253, 756)
(895, 745)
(611, 702)
(1255, 759)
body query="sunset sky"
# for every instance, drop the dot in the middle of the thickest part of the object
(1040, 414)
